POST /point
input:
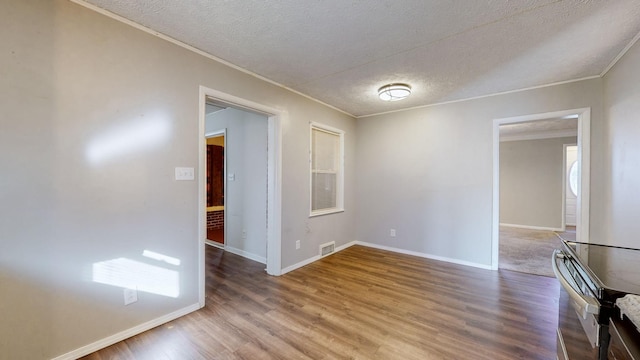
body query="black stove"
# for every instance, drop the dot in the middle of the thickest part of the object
(592, 277)
(609, 271)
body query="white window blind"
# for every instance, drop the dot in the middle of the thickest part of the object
(326, 169)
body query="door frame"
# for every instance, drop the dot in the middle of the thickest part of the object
(274, 178)
(584, 158)
(212, 134)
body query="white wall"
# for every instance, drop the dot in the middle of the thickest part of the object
(95, 117)
(531, 182)
(427, 172)
(246, 196)
(619, 224)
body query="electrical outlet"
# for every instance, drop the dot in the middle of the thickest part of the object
(130, 295)
(297, 244)
(244, 234)
(392, 232)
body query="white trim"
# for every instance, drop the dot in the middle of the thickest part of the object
(245, 254)
(274, 175)
(274, 201)
(424, 255)
(197, 51)
(221, 132)
(531, 227)
(301, 264)
(115, 338)
(584, 180)
(202, 195)
(327, 128)
(326, 212)
(481, 96)
(584, 153)
(564, 187)
(387, 248)
(620, 55)
(316, 258)
(495, 197)
(214, 244)
(538, 135)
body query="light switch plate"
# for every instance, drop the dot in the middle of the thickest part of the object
(185, 173)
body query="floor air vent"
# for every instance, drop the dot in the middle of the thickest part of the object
(328, 248)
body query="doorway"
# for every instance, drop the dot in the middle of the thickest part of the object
(240, 168)
(582, 174)
(532, 156)
(273, 119)
(215, 184)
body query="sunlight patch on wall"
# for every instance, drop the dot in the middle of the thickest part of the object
(127, 273)
(160, 257)
(128, 138)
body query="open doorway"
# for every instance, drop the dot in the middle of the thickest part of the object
(270, 189)
(237, 179)
(530, 177)
(215, 184)
(532, 158)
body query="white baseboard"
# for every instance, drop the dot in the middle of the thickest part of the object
(315, 258)
(388, 248)
(347, 245)
(423, 255)
(248, 255)
(529, 227)
(103, 343)
(300, 264)
(214, 244)
(115, 338)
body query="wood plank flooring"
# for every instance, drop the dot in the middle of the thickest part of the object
(360, 303)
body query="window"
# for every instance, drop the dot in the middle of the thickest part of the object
(573, 178)
(327, 165)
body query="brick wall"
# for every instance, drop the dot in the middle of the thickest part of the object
(215, 219)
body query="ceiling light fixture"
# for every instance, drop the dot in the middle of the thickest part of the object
(394, 92)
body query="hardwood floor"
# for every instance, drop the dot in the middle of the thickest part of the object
(360, 303)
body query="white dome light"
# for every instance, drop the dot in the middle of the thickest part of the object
(394, 92)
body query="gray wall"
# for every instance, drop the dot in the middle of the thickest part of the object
(95, 117)
(619, 223)
(76, 85)
(531, 182)
(427, 172)
(246, 196)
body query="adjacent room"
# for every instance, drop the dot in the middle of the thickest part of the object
(537, 200)
(304, 179)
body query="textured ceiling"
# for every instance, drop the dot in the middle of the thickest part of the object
(554, 127)
(340, 52)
